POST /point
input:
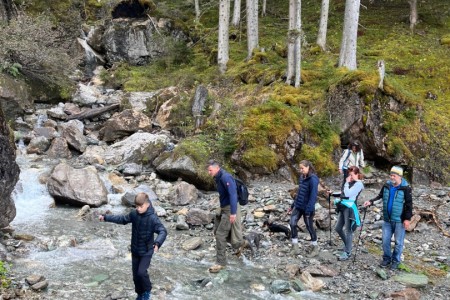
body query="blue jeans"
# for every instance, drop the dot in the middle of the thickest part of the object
(344, 228)
(396, 229)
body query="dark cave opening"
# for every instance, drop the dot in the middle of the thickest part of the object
(130, 9)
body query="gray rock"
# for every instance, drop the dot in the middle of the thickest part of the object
(181, 223)
(412, 280)
(280, 286)
(192, 243)
(59, 149)
(128, 197)
(42, 285)
(185, 194)
(38, 145)
(72, 132)
(198, 216)
(124, 124)
(33, 279)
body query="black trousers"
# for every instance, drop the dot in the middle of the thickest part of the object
(309, 222)
(141, 278)
(345, 173)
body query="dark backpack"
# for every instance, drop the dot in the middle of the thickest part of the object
(242, 192)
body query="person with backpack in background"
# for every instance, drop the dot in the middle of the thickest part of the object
(353, 156)
(227, 224)
(144, 225)
(397, 212)
(348, 219)
(304, 205)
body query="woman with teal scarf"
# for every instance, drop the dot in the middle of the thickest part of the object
(348, 219)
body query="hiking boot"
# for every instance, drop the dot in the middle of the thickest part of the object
(344, 256)
(295, 249)
(394, 265)
(314, 252)
(146, 295)
(242, 247)
(385, 263)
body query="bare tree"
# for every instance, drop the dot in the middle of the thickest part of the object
(322, 35)
(223, 44)
(197, 10)
(347, 56)
(294, 45)
(413, 16)
(236, 13)
(252, 26)
(264, 8)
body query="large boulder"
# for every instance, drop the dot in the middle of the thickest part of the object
(140, 147)
(72, 132)
(138, 41)
(14, 97)
(124, 124)
(9, 174)
(77, 187)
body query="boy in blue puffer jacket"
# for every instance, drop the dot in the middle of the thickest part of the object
(145, 223)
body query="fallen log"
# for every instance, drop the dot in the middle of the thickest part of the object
(93, 112)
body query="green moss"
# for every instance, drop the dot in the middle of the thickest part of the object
(5, 280)
(260, 157)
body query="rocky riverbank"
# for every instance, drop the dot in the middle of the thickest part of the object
(72, 238)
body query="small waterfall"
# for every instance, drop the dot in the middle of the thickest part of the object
(41, 118)
(91, 55)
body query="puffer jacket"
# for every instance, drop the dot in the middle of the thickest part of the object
(143, 228)
(307, 194)
(402, 206)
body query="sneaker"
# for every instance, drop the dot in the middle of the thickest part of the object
(344, 256)
(394, 265)
(385, 263)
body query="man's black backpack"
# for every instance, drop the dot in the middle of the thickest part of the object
(242, 192)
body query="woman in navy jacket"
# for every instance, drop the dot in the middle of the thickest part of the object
(304, 205)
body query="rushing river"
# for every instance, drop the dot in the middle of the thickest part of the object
(90, 260)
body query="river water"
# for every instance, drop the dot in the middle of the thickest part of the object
(90, 260)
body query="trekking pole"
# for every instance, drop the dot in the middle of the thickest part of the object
(360, 232)
(329, 215)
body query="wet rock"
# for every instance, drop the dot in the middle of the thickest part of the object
(412, 280)
(280, 286)
(33, 279)
(298, 286)
(192, 243)
(38, 145)
(57, 112)
(42, 285)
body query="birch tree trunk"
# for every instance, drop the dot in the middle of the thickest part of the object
(322, 35)
(223, 45)
(413, 16)
(298, 30)
(236, 13)
(291, 43)
(264, 6)
(252, 26)
(347, 56)
(197, 10)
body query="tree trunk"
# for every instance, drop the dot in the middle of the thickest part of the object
(197, 10)
(291, 43)
(298, 30)
(413, 16)
(222, 51)
(264, 6)
(236, 13)
(322, 35)
(347, 56)
(252, 26)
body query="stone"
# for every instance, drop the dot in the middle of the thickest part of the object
(185, 194)
(72, 132)
(128, 197)
(38, 145)
(406, 294)
(192, 243)
(310, 282)
(33, 279)
(42, 285)
(181, 223)
(198, 216)
(124, 124)
(279, 286)
(292, 270)
(59, 149)
(382, 273)
(298, 286)
(321, 270)
(412, 280)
